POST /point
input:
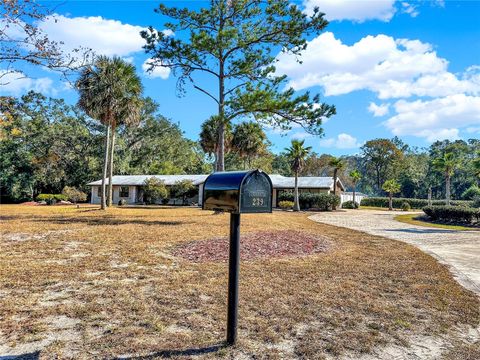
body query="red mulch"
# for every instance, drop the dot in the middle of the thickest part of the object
(30, 203)
(253, 246)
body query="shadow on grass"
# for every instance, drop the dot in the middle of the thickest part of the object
(109, 221)
(166, 354)
(30, 356)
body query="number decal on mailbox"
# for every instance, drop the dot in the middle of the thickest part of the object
(256, 201)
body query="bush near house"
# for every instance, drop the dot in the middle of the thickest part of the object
(323, 202)
(350, 205)
(73, 194)
(286, 204)
(453, 214)
(414, 203)
(51, 199)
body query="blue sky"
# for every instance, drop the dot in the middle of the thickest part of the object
(402, 68)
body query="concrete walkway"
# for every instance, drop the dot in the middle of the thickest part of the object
(460, 250)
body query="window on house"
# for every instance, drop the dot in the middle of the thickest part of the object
(124, 191)
(99, 191)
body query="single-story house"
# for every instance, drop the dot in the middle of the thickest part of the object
(129, 187)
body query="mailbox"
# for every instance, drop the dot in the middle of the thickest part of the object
(238, 192)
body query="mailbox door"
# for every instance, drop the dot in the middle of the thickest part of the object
(256, 193)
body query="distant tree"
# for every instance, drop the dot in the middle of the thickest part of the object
(248, 141)
(22, 42)
(446, 164)
(391, 187)
(355, 175)
(209, 137)
(297, 153)
(382, 156)
(73, 194)
(236, 44)
(110, 91)
(154, 190)
(476, 165)
(183, 189)
(337, 164)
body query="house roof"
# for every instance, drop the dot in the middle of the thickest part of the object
(278, 181)
(140, 179)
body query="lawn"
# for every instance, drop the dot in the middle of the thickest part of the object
(82, 283)
(422, 220)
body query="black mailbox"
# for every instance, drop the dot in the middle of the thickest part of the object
(238, 192)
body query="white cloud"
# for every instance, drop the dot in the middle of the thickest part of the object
(410, 9)
(473, 130)
(158, 71)
(16, 83)
(103, 36)
(342, 141)
(435, 119)
(378, 110)
(391, 68)
(301, 135)
(354, 10)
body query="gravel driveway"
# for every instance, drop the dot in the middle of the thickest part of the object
(460, 250)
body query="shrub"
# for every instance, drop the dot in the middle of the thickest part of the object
(51, 199)
(471, 192)
(406, 206)
(414, 203)
(73, 194)
(122, 202)
(154, 190)
(183, 189)
(350, 205)
(476, 202)
(285, 204)
(453, 214)
(323, 201)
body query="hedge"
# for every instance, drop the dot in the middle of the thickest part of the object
(453, 214)
(350, 205)
(414, 203)
(323, 202)
(51, 198)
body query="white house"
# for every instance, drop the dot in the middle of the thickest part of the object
(129, 187)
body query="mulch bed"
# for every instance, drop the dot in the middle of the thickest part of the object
(255, 245)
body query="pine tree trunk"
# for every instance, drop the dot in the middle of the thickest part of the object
(110, 175)
(296, 202)
(221, 114)
(390, 201)
(103, 202)
(447, 189)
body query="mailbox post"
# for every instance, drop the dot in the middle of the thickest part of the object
(236, 192)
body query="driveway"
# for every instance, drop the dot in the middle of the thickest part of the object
(460, 250)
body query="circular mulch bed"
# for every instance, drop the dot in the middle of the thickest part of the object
(255, 245)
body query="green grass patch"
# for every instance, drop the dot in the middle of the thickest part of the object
(420, 220)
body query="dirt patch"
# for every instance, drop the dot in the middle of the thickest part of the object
(264, 244)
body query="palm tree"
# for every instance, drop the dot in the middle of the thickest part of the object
(110, 91)
(209, 137)
(355, 175)
(391, 187)
(446, 164)
(297, 154)
(248, 141)
(337, 164)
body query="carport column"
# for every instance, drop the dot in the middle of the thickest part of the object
(233, 273)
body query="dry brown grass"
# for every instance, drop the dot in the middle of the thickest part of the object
(83, 283)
